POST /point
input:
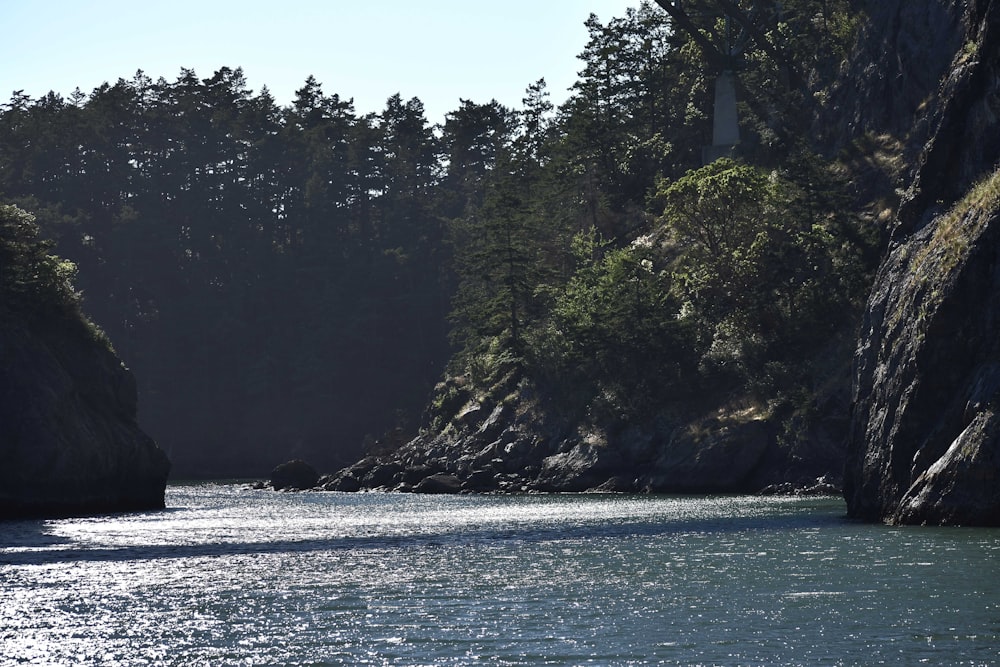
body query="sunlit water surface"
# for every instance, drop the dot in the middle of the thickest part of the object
(229, 575)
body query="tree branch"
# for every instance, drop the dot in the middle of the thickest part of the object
(794, 79)
(684, 22)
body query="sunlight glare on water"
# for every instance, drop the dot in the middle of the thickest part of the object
(228, 575)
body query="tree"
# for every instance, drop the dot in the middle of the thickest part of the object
(613, 344)
(756, 271)
(497, 264)
(474, 138)
(279, 274)
(32, 280)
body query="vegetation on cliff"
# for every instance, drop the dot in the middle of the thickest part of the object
(33, 282)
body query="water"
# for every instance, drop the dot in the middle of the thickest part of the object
(233, 576)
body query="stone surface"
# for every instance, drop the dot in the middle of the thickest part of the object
(906, 49)
(711, 457)
(923, 445)
(928, 370)
(503, 449)
(69, 440)
(294, 475)
(441, 482)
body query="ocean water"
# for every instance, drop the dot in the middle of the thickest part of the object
(231, 576)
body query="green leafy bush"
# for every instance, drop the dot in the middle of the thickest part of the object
(613, 343)
(759, 274)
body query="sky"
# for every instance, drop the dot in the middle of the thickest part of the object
(438, 50)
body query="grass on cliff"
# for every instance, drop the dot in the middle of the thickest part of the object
(948, 247)
(957, 228)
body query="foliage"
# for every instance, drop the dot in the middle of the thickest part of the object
(759, 274)
(614, 335)
(32, 280)
(273, 275)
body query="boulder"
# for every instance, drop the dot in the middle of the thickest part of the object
(345, 482)
(439, 483)
(481, 480)
(295, 475)
(383, 474)
(583, 466)
(414, 474)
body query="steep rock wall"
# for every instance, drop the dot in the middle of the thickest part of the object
(923, 446)
(904, 50)
(69, 441)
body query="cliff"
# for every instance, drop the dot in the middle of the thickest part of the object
(913, 123)
(923, 444)
(69, 440)
(506, 440)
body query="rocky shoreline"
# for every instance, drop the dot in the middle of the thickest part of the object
(445, 483)
(513, 446)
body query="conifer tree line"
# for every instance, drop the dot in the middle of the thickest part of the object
(291, 281)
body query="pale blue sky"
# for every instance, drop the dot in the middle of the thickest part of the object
(437, 50)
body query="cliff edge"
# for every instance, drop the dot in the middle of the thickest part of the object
(924, 443)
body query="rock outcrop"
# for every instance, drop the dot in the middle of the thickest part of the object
(924, 445)
(513, 446)
(69, 440)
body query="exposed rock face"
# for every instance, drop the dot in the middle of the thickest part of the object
(904, 52)
(491, 447)
(925, 435)
(69, 441)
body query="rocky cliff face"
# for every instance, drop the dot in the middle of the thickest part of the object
(905, 49)
(69, 442)
(505, 441)
(924, 445)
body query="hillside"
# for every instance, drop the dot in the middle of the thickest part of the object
(292, 282)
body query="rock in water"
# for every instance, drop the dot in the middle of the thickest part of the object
(294, 475)
(69, 440)
(439, 483)
(924, 445)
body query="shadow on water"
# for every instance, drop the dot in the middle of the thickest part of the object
(32, 534)
(38, 533)
(29, 533)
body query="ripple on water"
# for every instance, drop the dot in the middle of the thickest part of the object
(233, 576)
